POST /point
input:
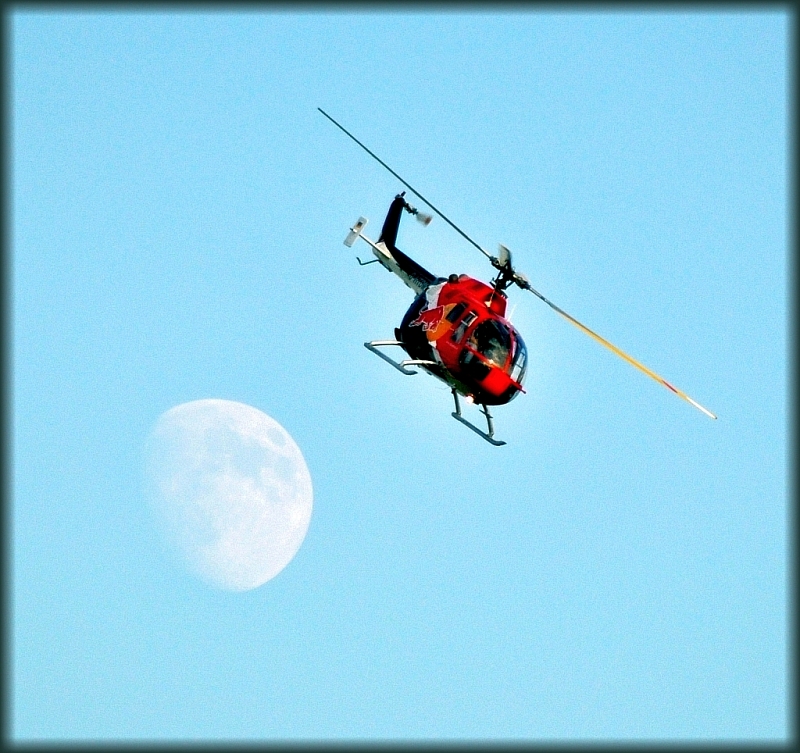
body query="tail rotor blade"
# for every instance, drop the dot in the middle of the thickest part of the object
(425, 219)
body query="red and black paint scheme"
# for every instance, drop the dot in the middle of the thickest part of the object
(459, 324)
(456, 327)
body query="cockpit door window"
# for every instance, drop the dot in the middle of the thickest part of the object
(463, 326)
(456, 311)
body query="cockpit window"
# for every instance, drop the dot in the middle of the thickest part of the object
(456, 311)
(492, 341)
(463, 325)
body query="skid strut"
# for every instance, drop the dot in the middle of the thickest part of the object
(485, 410)
(401, 367)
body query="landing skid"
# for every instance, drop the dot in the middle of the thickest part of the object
(485, 410)
(401, 367)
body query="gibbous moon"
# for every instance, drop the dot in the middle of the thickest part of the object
(230, 490)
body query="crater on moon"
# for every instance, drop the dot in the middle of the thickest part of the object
(230, 490)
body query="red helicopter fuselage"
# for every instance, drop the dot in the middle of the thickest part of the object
(456, 327)
(459, 324)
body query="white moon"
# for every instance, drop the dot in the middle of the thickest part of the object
(230, 490)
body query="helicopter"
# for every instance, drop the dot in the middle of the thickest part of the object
(456, 328)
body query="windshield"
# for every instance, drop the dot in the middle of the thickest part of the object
(492, 341)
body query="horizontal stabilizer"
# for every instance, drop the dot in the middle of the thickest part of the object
(355, 231)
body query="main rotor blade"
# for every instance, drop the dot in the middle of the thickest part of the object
(614, 349)
(407, 185)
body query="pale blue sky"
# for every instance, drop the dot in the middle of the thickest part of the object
(617, 571)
